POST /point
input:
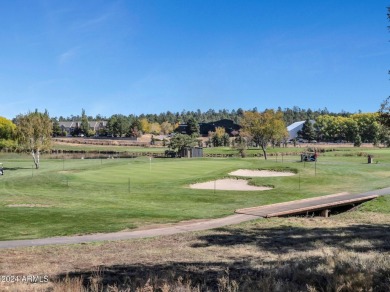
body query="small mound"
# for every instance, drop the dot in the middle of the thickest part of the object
(228, 184)
(259, 173)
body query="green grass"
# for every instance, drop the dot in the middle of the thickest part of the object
(380, 205)
(250, 151)
(85, 196)
(91, 147)
(210, 150)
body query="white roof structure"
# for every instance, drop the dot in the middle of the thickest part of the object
(294, 128)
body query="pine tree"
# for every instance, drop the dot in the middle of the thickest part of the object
(308, 131)
(84, 127)
(358, 141)
(192, 127)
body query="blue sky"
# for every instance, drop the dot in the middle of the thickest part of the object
(145, 56)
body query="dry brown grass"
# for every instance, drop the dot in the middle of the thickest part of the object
(350, 252)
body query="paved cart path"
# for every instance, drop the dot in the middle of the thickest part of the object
(307, 205)
(182, 227)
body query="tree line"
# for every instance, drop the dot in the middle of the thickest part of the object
(356, 128)
(119, 125)
(290, 115)
(33, 131)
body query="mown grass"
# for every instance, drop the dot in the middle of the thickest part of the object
(115, 148)
(211, 150)
(83, 196)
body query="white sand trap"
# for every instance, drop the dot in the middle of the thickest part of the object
(228, 184)
(28, 206)
(260, 173)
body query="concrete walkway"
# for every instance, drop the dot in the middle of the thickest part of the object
(172, 229)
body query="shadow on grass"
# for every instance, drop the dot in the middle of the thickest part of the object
(346, 269)
(285, 239)
(308, 274)
(16, 168)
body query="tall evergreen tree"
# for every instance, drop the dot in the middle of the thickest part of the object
(384, 112)
(192, 127)
(84, 127)
(307, 131)
(57, 131)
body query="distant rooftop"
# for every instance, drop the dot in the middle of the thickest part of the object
(294, 125)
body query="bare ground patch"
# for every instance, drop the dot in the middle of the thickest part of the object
(228, 184)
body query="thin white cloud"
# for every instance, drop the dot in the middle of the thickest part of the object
(111, 11)
(92, 22)
(96, 20)
(65, 57)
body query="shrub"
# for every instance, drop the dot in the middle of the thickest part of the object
(8, 144)
(358, 141)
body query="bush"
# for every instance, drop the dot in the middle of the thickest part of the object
(170, 153)
(358, 141)
(8, 144)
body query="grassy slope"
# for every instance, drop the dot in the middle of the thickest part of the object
(84, 196)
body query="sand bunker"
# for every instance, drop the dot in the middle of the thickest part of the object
(228, 184)
(260, 173)
(28, 206)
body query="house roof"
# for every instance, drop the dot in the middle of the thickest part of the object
(92, 124)
(66, 124)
